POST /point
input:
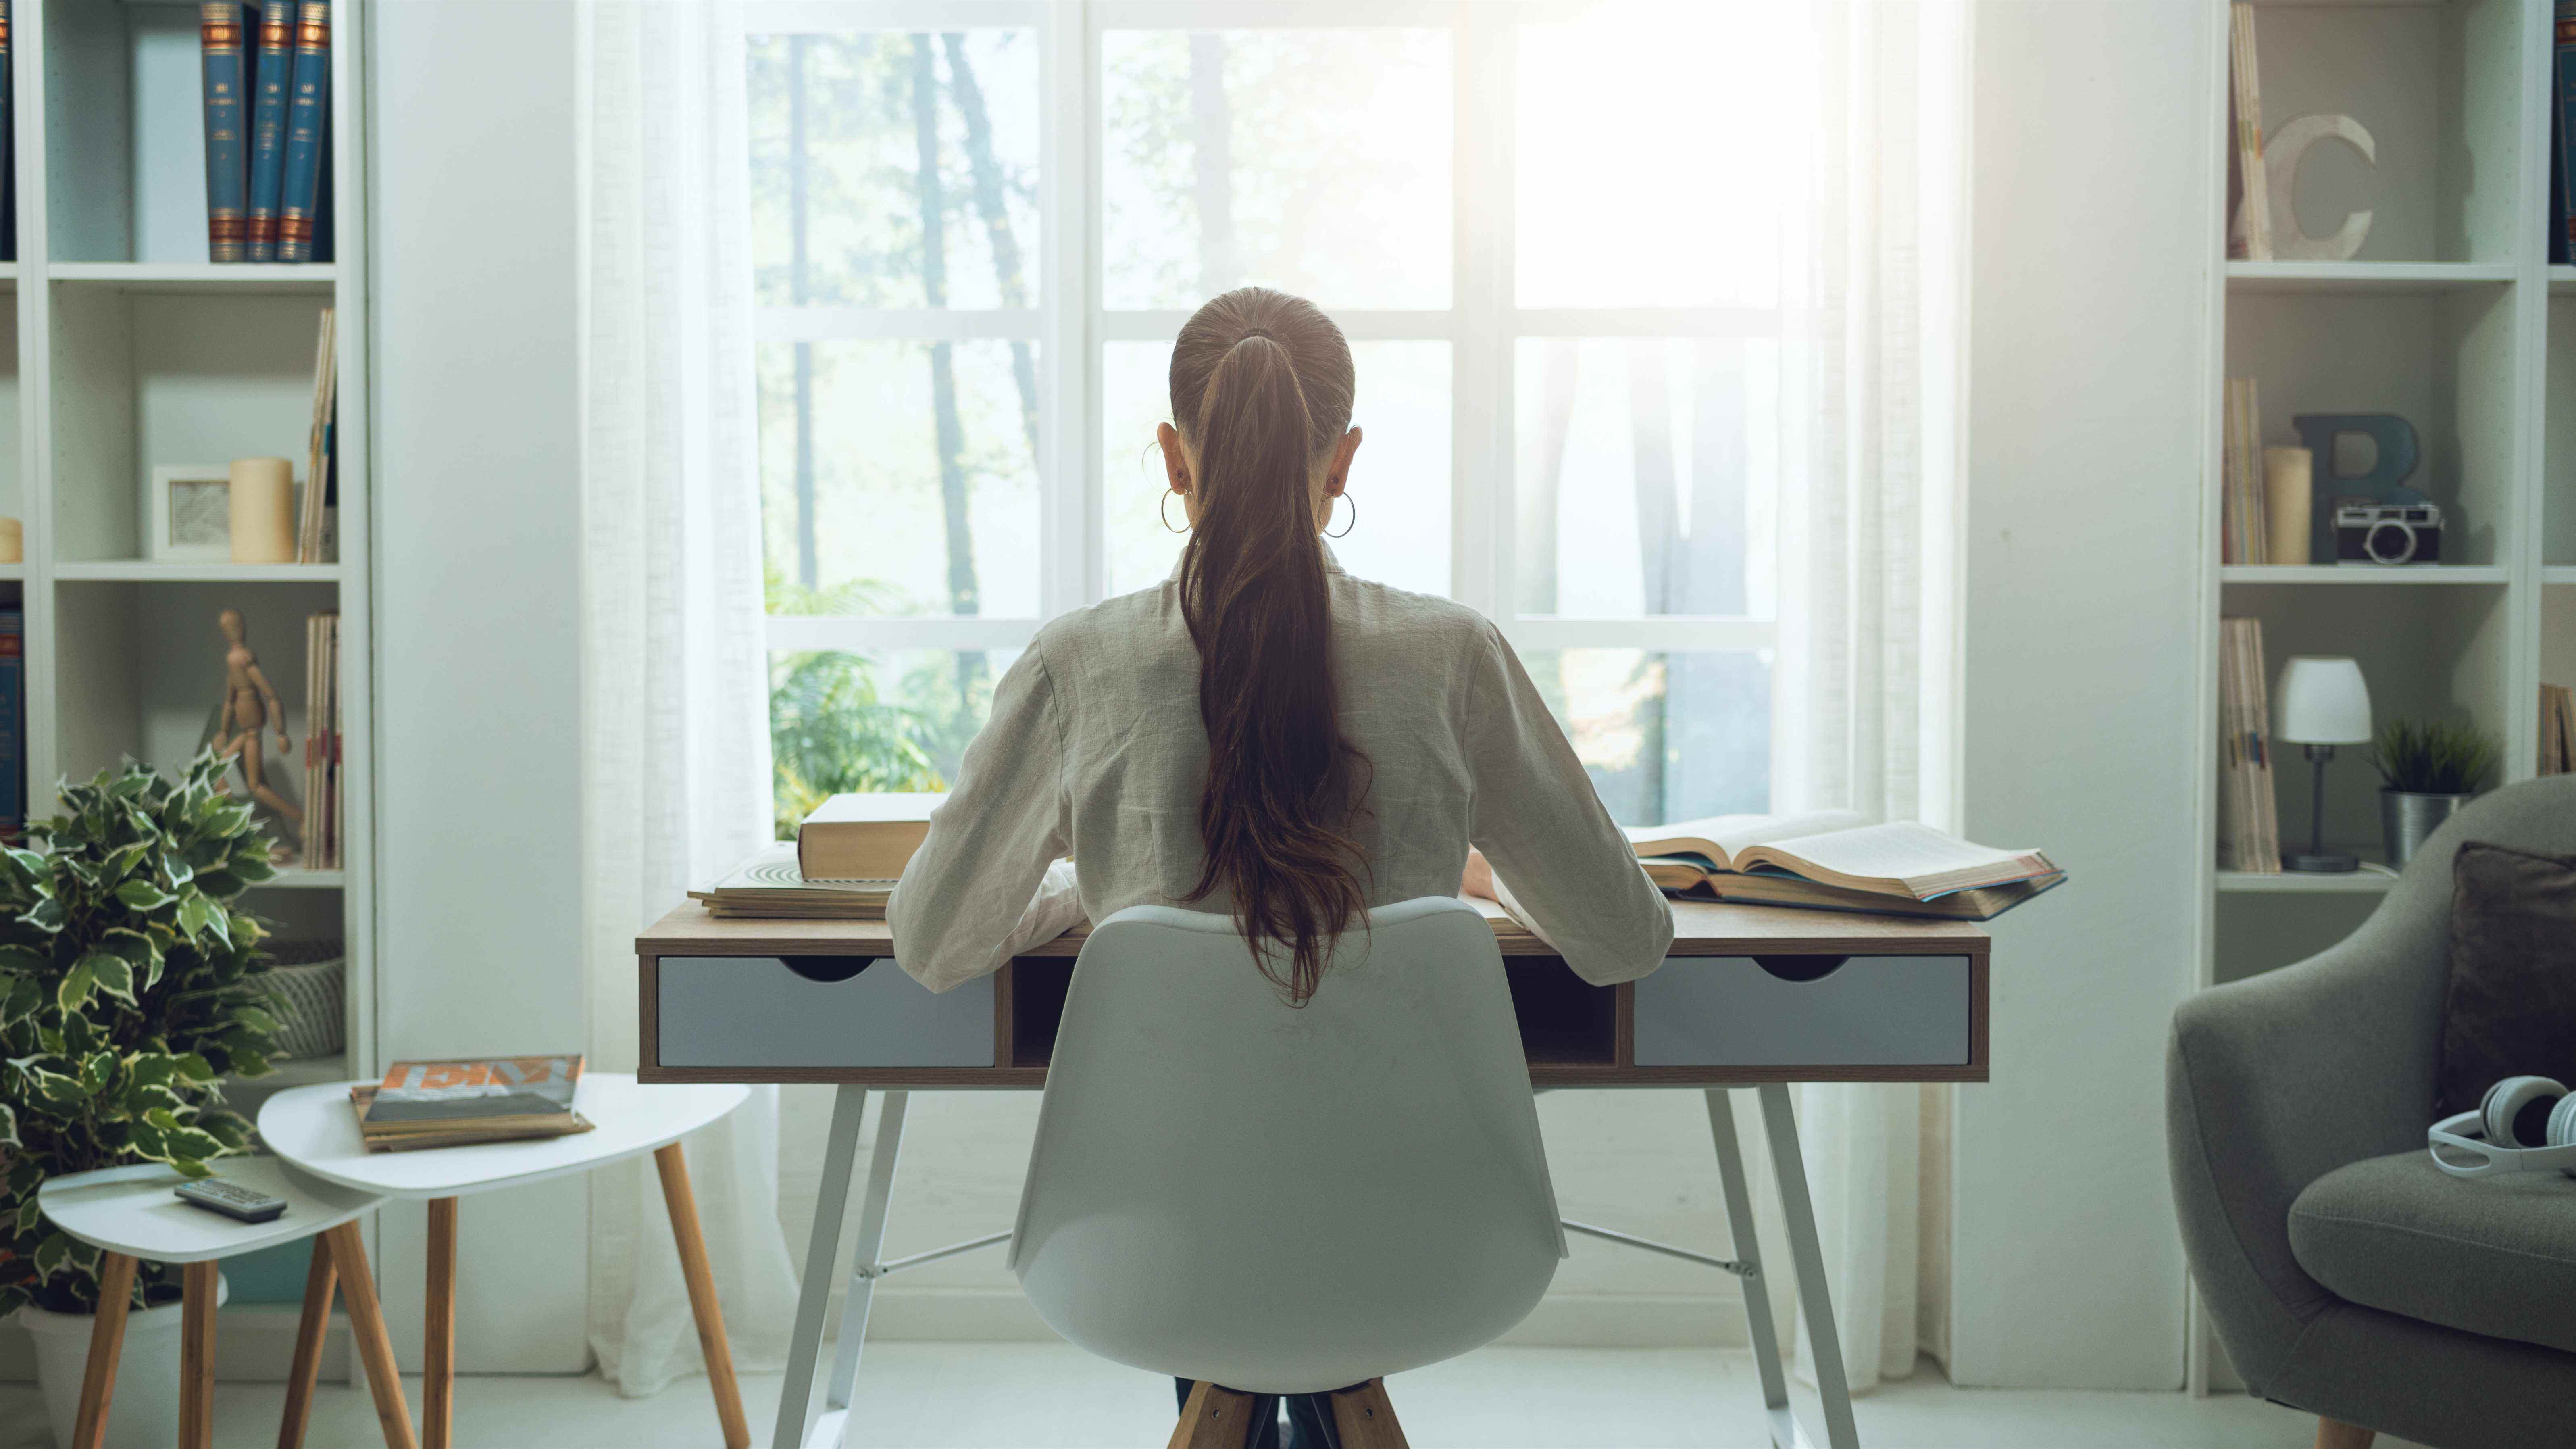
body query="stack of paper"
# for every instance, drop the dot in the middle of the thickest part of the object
(770, 886)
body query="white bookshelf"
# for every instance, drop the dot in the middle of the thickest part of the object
(2451, 317)
(129, 350)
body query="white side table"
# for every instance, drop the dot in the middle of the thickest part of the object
(315, 1129)
(129, 1213)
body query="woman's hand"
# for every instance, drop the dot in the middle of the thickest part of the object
(1479, 877)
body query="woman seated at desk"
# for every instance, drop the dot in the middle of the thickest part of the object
(1264, 735)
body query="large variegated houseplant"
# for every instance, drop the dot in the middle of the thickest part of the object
(129, 987)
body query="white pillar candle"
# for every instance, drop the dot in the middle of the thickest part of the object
(263, 510)
(13, 541)
(2287, 516)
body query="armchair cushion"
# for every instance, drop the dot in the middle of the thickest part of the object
(2512, 1007)
(2494, 1257)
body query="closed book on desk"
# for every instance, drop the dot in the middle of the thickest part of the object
(863, 837)
(1897, 858)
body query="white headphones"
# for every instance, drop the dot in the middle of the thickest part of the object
(2527, 1124)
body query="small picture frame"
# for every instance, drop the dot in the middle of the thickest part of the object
(189, 514)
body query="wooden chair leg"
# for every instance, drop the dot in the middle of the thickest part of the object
(367, 1325)
(1364, 1419)
(1214, 1418)
(106, 1341)
(197, 1356)
(2336, 1434)
(685, 1230)
(438, 1331)
(311, 1327)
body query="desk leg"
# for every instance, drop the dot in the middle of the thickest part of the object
(1785, 1433)
(106, 1344)
(1824, 1345)
(197, 1356)
(692, 1241)
(822, 1250)
(438, 1331)
(866, 1255)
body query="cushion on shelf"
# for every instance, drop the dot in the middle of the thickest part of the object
(2512, 1005)
(2495, 1256)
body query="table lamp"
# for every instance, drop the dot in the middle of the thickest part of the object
(2320, 702)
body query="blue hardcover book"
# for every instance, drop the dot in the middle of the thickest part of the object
(2562, 117)
(13, 722)
(221, 37)
(308, 120)
(276, 61)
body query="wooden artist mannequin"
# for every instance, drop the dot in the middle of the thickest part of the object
(249, 702)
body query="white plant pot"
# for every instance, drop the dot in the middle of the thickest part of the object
(144, 1414)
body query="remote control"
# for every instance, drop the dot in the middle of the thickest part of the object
(231, 1199)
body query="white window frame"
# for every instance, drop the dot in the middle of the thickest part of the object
(1482, 324)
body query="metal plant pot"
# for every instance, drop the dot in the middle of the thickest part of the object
(2405, 819)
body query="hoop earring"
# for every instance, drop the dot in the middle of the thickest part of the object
(1162, 511)
(1355, 517)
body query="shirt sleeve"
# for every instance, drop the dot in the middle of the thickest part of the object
(982, 888)
(1561, 867)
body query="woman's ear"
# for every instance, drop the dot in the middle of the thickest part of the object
(1176, 462)
(1337, 473)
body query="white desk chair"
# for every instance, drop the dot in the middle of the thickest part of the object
(129, 1213)
(1283, 1200)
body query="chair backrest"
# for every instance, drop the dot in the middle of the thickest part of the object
(1287, 1199)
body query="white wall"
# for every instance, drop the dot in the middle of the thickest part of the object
(479, 766)
(2093, 230)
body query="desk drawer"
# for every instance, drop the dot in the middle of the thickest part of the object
(1870, 1011)
(761, 1011)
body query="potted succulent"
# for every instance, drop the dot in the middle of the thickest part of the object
(129, 988)
(2429, 769)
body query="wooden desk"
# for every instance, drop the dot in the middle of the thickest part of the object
(1749, 996)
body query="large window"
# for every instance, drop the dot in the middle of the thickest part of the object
(1560, 238)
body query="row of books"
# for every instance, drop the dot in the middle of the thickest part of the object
(313, 541)
(2557, 729)
(462, 1102)
(268, 128)
(2243, 533)
(322, 845)
(848, 854)
(2249, 825)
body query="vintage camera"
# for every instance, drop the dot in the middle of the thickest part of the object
(2387, 533)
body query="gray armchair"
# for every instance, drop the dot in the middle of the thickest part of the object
(2347, 1276)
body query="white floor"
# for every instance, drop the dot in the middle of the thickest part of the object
(1044, 1396)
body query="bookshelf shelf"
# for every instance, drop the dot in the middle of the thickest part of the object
(2369, 880)
(2392, 278)
(317, 279)
(143, 571)
(297, 879)
(2422, 575)
(2558, 574)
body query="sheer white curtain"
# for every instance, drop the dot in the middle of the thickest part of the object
(674, 672)
(1869, 643)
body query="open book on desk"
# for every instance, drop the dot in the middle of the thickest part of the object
(1839, 860)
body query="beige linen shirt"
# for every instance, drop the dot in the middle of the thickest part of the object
(1095, 751)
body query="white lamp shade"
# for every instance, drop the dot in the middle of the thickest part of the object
(2321, 700)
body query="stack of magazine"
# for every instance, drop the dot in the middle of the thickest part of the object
(770, 886)
(2249, 825)
(1836, 860)
(469, 1100)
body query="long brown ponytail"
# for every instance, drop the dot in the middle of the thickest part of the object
(1261, 387)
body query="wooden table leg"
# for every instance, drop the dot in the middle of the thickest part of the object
(367, 1325)
(106, 1341)
(197, 1356)
(311, 1327)
(683, 1205)
(438, 1336)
